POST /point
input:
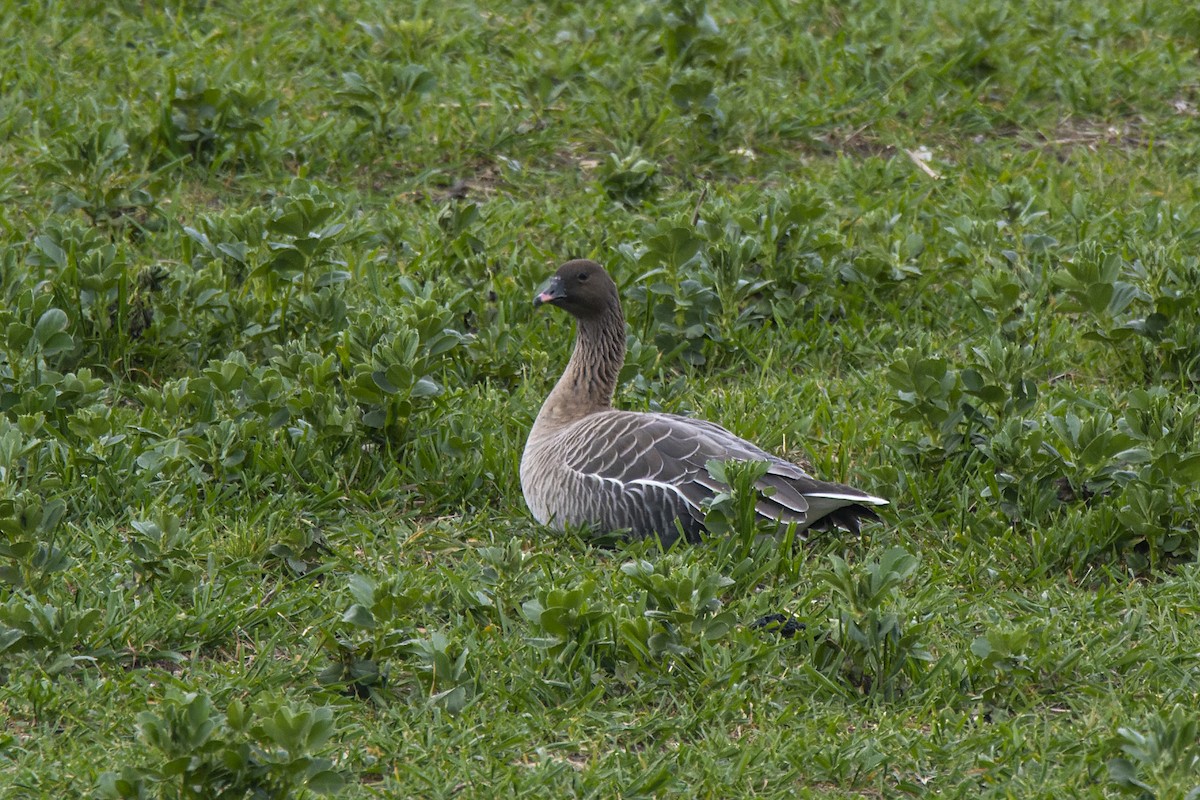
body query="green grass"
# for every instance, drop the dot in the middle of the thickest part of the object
(268, 358)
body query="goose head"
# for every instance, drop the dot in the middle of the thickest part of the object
(581, 288)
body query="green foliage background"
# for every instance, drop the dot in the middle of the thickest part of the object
(268, 358)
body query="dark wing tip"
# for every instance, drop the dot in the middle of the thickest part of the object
(848, 518)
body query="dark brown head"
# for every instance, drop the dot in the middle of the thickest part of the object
(581, 288)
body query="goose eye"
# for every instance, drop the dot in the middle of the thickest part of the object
(583, 278)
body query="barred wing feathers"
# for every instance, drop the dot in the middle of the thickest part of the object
(642, 471)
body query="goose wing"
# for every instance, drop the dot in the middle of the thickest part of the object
(643, 471)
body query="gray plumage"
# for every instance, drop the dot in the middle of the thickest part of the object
(588, 464)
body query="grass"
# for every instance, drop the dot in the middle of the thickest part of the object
(268, 358)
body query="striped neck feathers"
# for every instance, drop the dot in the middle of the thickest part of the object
(588, 383)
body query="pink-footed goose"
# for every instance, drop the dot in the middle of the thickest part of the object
(586, 463)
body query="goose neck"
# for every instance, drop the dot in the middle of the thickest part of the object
(588, 383)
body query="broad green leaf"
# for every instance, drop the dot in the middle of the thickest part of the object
(424, 387)
(359, 616)
(52, 322)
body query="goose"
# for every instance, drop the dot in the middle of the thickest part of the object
(644, 473)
